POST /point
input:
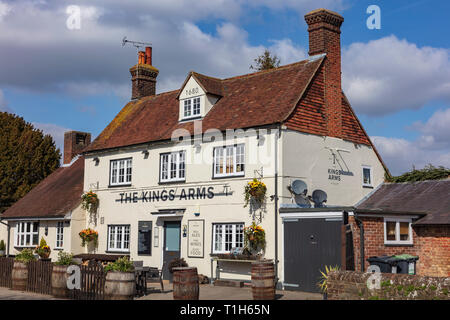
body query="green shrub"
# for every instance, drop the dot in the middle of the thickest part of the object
(2, 245)
(64, 259)
(122, 264)
(25, 256)
(176, 263)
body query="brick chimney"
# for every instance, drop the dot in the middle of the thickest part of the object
(74, 143)
(324, 27)
(143, 76)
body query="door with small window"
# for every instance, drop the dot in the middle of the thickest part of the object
(172, 242)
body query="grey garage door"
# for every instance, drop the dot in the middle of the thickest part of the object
(310, 245)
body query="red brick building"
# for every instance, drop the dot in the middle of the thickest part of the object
(412, 218)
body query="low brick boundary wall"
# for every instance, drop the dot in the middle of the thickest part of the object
(350, 285)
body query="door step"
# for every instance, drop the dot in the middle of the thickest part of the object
(229, 283)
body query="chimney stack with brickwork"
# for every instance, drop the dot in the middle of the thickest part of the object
(143, 76)
(324, 29)
(74, 143)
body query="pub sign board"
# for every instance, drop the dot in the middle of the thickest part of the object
(196, 238)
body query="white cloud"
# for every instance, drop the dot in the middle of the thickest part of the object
(57, 133)
(5, 9)
(388, 75)
(432, 145)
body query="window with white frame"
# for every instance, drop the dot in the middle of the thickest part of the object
(367, 176)
(59, 235)
(397, 231)
(191, 108)
(227, 236)
(173, 166)
(121, 172)
(119, 238)
(229, 161)
(27, 234)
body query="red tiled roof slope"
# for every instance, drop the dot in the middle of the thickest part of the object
(251, 100)
(55, 196)
(430, 197)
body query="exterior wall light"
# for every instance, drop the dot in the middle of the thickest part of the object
(46, 230)
(96, 160)
(145, 153)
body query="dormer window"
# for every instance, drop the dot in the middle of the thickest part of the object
(192, 108)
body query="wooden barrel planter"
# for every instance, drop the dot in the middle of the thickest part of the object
(120, 285)
(19, 276)
(185, 283)
(59, 282)
(263, 280)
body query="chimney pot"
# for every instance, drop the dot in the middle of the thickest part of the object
(148, 55)
(141, 57)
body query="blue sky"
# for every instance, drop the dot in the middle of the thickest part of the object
(396, 78)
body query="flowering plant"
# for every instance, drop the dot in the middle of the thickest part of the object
(43, 250)
(88, 235)
(254, 237)
(89, 201)
(256, 190)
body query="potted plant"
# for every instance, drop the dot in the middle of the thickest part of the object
(323, 283)
(2, 248)
(255, 190)
(20, 269)
(120, 281)
(59, 274)
(89, 202)
(254, 238)
(43, 250)
(88, 236)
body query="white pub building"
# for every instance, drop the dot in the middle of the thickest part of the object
(171, 168)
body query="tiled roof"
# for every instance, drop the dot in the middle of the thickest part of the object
(55, 196)
(431, 198)
(246, 101)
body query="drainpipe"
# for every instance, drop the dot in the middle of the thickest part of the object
(276, 203)
(361, 241)
(9, 228)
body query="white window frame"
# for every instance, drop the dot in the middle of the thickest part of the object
(223, 159)
(191, 101)
(371, 176)
(397, 240)
(223, 232)
(59, 235)
(125, 230)
(178, 158)
(20, 230)
(115, 167)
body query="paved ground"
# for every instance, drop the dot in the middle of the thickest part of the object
(7, 294)
(209, 292)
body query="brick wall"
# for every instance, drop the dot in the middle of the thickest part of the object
(430, 243)
(349, 285)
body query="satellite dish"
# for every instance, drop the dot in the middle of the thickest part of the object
(298, 187)
(302, 201)
(319, 197)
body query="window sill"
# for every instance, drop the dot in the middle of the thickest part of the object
(229, 176)
(172, 182)
(58, 249)
(190, 119)
(117, 251)
(399, 244)
(119, 185)
(367, 186)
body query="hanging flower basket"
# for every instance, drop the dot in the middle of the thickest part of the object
(87, 236)
(43, 250)
(254, 238)
(89, 202)
(255, 190)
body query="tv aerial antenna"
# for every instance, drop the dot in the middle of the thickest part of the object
(137, 44)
